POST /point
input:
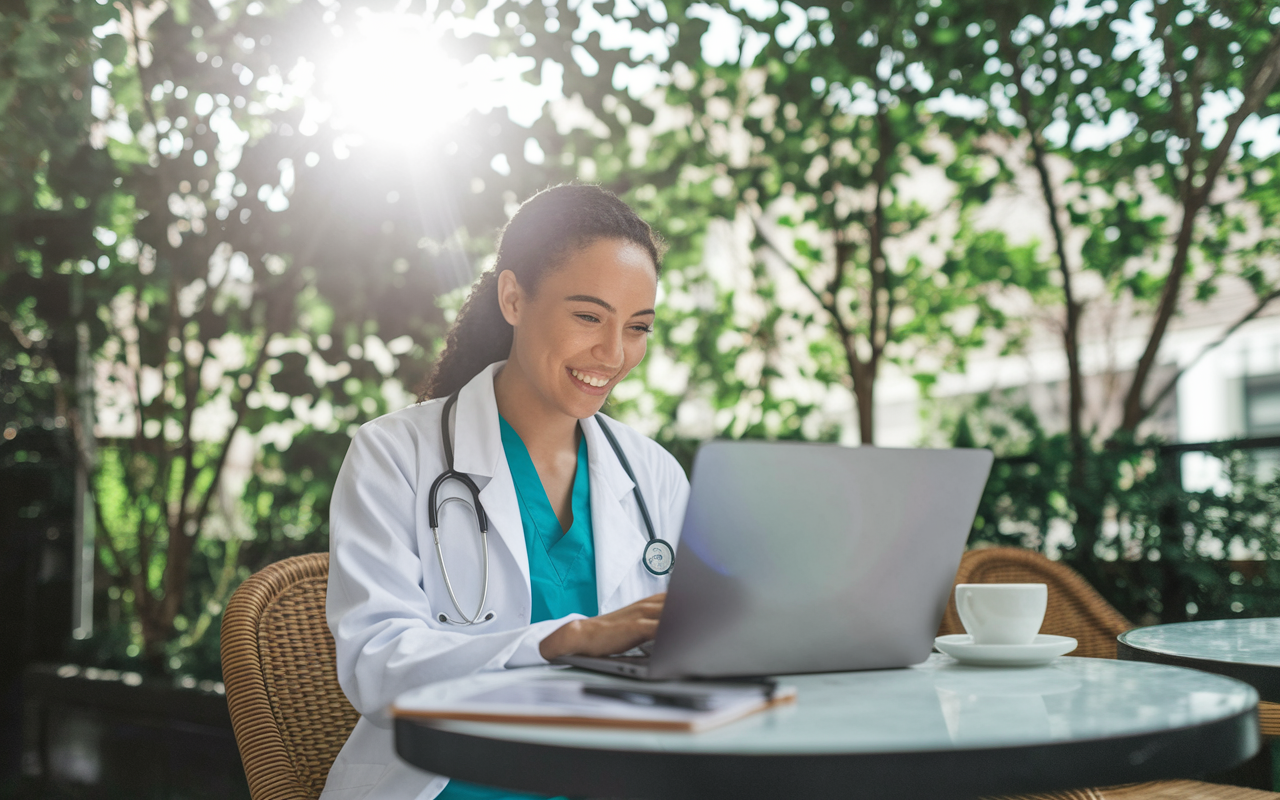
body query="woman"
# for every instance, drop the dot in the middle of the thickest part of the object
(563, 317)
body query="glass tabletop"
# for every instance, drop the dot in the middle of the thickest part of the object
(1237, 641)
(937, 705)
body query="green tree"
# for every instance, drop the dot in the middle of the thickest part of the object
(1144, 192)
(1158, 192)
(53, 187)
(818, 140)
(252, 275)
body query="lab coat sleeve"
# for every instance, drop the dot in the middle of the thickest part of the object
(376, 607)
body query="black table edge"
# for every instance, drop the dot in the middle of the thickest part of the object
(929, 774)
(1265, 679)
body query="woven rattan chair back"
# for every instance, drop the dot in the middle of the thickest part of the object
(1075, 609)
(1157, 790)
(278, 664)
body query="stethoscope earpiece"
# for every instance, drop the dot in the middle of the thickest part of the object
(658, 555)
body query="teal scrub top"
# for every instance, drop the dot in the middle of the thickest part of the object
(562, 564)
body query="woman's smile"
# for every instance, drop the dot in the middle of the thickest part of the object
(592, 384)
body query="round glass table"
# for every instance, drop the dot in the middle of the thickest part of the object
(1244, 649)
(938, 729)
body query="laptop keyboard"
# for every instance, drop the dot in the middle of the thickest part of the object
(641, 651)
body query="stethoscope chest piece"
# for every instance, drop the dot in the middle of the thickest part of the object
(658, 557)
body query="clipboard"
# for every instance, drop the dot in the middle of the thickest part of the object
(561, 701)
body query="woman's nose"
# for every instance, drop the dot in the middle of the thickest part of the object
(609, 346)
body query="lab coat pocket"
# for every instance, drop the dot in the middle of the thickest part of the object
(463, 548)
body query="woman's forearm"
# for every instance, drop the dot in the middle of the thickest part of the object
(563, 641)
(607, 634)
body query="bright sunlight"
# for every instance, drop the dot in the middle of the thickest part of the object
(392, 80)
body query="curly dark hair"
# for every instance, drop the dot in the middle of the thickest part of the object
(548, 228)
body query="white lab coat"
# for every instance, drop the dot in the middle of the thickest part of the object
(385, 589)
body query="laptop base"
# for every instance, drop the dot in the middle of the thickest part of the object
(627, 666)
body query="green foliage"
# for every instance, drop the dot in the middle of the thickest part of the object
(245, 279)
(810, 137)
(1159, 553)
(849, 212)
(246, 284)
(1121, 111)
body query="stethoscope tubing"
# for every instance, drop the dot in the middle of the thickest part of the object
(626, 467)
(482, 519)
(448, 584)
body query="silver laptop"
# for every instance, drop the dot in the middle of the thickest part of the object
(798, 557)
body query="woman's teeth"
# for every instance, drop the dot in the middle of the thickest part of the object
(588, 380)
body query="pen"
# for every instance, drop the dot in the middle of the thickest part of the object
(650, 697)
(767, 685)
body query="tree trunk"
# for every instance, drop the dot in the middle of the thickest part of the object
(1071, 323)
(1134, 410)
(864, 394)
(1195, 195)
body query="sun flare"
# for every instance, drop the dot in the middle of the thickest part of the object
(392, 80)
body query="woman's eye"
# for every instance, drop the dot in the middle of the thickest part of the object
(646, 329)
(588, 317)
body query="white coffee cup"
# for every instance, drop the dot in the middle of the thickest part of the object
(1002, 613)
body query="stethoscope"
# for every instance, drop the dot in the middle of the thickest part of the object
(658, 556)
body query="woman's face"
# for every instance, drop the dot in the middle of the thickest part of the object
(585, 327)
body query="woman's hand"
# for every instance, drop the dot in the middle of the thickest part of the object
(607, 634)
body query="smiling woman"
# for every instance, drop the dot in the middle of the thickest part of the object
(553, 228)
(570, 345)
(507, 440)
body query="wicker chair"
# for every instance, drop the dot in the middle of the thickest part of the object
(289, 715)
(1075, 609)
(1161, 790)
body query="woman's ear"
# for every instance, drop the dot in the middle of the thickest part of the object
(510, 297)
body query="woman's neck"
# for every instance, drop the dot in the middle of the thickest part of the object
(544, 429)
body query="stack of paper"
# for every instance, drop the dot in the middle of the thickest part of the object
(564, 702)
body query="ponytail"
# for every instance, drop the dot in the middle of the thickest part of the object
(479, 337)
(549, 227)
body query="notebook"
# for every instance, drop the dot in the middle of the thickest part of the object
(567, 701)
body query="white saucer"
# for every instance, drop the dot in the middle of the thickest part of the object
(1043, 649)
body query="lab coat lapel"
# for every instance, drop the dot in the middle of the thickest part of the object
(478, 452)
(619, 541)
